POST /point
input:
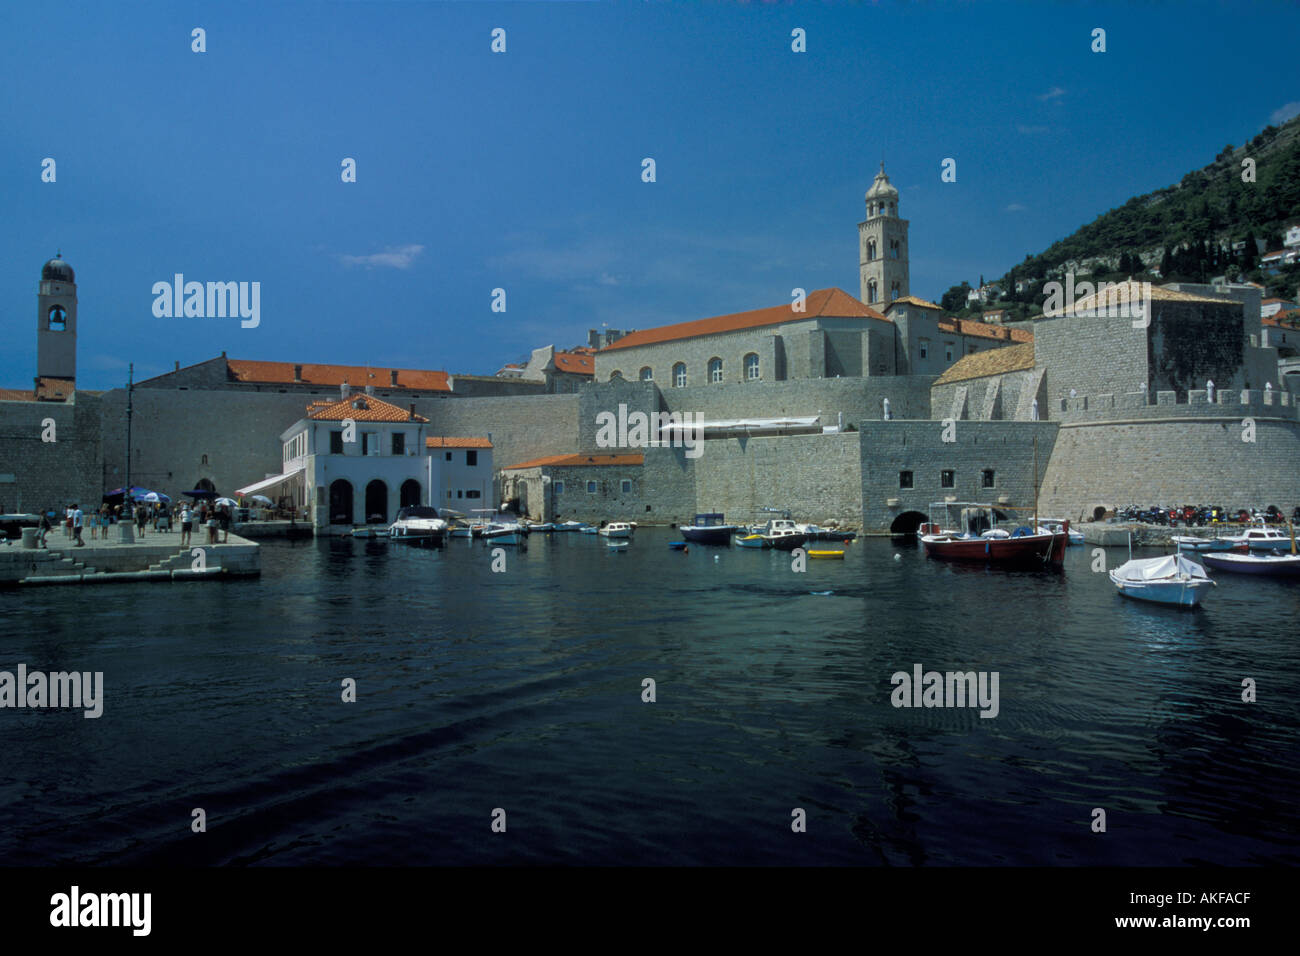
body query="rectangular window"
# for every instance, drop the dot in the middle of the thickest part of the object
(591, 487)
(627, 486)
(947, 351)
(336, 443)
(559, 487)
(460, 493)
(924, 346)
(471, 458)
(370, 443)
(947, 478)
(449, 456)
(473, 493)
(905, 479)
(399, 443)
(988, 478)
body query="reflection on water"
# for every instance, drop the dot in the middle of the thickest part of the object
(523, 690)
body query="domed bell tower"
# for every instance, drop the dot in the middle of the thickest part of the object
(56, 321)
(882, 246)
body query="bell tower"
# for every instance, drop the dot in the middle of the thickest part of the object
(882, 246)
(56, 321)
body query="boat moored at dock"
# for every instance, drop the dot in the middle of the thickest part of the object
(616, 529)
(709, 528)
(418, 525)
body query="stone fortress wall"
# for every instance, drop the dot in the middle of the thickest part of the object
(44, 474)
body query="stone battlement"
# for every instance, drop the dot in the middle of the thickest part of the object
(1144, 406)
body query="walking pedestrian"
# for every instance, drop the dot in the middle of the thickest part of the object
(187, 523)
(225, 523)
(67, 521)
(78, 517)
(44, 526)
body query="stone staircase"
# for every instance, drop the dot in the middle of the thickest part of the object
(183, 560)
(54, 563)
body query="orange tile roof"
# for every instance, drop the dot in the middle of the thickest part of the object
(249, 370)
(16, 395)
(360, 408)
(574, 461)
(448, 442)
(55, 387)
(1015, 358)
(823, 303)
(575, 362)
(913, 300)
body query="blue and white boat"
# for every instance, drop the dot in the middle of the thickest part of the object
(617, 529)
(1172, 579)
(1260, 538)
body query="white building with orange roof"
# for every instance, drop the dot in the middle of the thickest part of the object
(460, 472)
(353, 460)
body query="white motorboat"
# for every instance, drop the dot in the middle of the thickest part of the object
(1172, 579)
(1259, 538)
(616, 529)
(783, 534)
(418, 524)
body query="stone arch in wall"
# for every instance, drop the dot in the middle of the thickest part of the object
(409, 494)
(376, 502)
(340, 506)
(908, 522)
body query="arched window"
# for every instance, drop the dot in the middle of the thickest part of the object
(615, 374)
(340, 507)
(751, 367)
(715, 370)
(872, 295)
(410, 493)
(647, 375)
(58, 319)
(679, 375)
(871, 250)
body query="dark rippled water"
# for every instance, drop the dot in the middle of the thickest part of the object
(522, 690)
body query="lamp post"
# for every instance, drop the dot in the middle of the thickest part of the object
(124, 533)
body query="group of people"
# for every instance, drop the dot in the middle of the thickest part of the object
(216, 519)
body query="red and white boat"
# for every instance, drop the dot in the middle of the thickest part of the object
(981, 541)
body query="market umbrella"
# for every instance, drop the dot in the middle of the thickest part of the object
(152, 497)
(261, 499)
(229, 502)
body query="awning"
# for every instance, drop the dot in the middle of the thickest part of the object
(270, 482)
(746, 425)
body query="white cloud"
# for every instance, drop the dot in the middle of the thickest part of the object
(1284, 113)
(1015, 207)
(400, 257)
(1052, 94)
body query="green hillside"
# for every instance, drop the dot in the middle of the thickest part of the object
(1184, 232)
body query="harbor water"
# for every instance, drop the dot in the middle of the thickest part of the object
(521, 690)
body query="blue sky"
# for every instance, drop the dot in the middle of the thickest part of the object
(522, 170)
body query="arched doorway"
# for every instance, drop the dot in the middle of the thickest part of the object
(340, 502)
(908, 522)
(204, 484)
(376, 502)
(409, 493)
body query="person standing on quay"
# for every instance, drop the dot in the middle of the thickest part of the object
(78, 516)
(187, 524)
(67, 522)
(45, 526)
